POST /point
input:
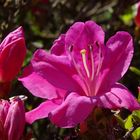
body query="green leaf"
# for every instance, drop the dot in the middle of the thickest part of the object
(129, 122)
(136, 115)
(136, 134)
(128, 16)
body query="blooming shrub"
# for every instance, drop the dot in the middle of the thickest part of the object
(79, 83)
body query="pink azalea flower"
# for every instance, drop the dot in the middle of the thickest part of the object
(12, 119)
(12, 53)
(79, 74)
(137, 18)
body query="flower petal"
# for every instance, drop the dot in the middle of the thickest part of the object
(73, 110)
(15, 120)
(41, 111)
(4, 107)
(39, 86)
(118, 55)
(80, 35)
(61, 62)
(118, 97)
(12, 37)
(12, 47)
(58, 47)
(83, 37)
(95, 32)
(52, 71)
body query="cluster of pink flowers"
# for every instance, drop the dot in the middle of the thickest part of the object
(79, 74)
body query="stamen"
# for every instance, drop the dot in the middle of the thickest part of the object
(83, 52)
(79, 71)
(92, 62)
(22, 97)
(100, 60)
(74, 62)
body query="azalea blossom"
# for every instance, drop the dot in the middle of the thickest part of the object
(137, 17)
(79, 74)
(12, 54)
(12, 119)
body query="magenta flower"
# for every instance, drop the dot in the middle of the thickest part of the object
(79, 75)
(12, 119)
(12, 53)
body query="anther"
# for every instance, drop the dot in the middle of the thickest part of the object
(83, 53)
(22, 97)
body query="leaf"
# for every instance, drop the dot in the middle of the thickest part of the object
(136, 115)
(136, 134)
(128, 16)
(129, 122)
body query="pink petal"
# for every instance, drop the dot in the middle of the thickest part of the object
(75, 109)
(4, 107)
(94, 32)
(12, 37)
(41, 111)
(12, 47)
(1, 131)
(15, 120)
(58, 47)
(80, 34)
(118, 55)
(61, 62)
(118, 97)
(39, 86)
(54, 70)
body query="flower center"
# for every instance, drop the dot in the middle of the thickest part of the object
(83, 53)
(90, 68)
